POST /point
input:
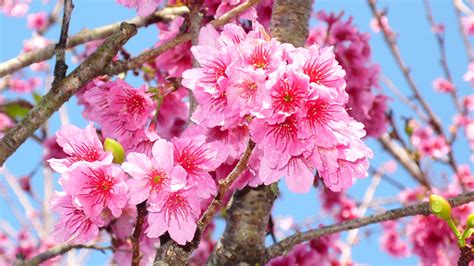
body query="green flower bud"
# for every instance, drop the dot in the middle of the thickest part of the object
(116, 149)
(440, 207)
(470, 221)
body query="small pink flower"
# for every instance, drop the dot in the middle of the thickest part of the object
(79, 145)
(24, 86)
(37, 21)
(144, 7)
(198, 158)
(15, 8)
(391, 241)
(97, 188)
(469, 76)
(35, 43)
(175, 212)
(468, 102)
(468, 24)
(155, 176)
(73, 225)
(377, 27)
(443, 85)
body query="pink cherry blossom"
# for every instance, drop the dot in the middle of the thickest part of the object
(468, 24)
(426, 143)
(79, 145)
(391, 242)
(198, 158)
(155, 176)
(353, 53)
(175, 212)
(469, 76)
(15, 8)
(97, 187)
(468, 102)
(24, 86)
(377, 27)
(37, 21)
(443, 85)
(144, 7)
(73, 225)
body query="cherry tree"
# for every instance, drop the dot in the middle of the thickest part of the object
(236, 99)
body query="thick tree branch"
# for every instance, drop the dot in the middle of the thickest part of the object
(85, 36)
(247, 219)
(56, 251)
(418, 209)
(92, 67)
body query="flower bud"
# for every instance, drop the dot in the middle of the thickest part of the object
(116, 149)
(440, 207)
(470, 220)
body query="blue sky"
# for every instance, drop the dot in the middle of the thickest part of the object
(417, 45)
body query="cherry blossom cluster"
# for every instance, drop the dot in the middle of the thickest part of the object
(366, 103)
(171, 176)
(291, 99)
(426, 142)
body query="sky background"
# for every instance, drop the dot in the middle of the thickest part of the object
(418, 48)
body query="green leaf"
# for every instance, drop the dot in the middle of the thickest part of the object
(37, 97)
(15, 110)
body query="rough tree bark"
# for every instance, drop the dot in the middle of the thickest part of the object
(243, 242)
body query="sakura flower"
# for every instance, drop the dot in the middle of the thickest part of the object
(79, 145)
(156, 176)
(377, 25)
(97, 187)
(468, 24)
(15, 8)
(198, 158)
(37, 21)
(468, 102)
(73, 225)
(129, 110)
(175, 212)
(35, 43)
(443, 85)
(469, 75)
(24, 86)
(144, 7)
(391, 241)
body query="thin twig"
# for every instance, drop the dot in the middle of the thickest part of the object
(56, 251)
(417, 209)
(467, 43)
(84, 36)
(52, 18)
(392, 44)
(224, 185)
(60, 68)
(442, 49)
(141, 214)
(404, 159)
(368, 196)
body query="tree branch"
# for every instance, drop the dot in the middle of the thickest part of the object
(56, 251)
(392, 44)
(92, 67)
(141, 214)
(288, 243)
(85, 36)
(60, 68)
